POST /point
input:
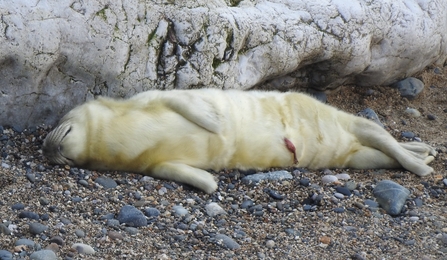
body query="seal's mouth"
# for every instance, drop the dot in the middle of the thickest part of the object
(53, 149)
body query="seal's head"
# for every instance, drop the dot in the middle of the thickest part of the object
(65, 144)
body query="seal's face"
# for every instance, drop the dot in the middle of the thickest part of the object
(64, 145)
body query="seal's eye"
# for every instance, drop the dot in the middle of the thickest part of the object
(66, 133)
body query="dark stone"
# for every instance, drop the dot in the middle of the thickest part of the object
(339, 210)
(152, 212)
(372, 205)
(343, 190)
(37, 228)
(106, 182)
(226, 241)
(18, 206)
(307, 207)
(391, 196)
(410, 87)
(247, 204)
(305, 182)
(370, 114)
(418, 202)
(431, 117)
(5, 255)
(29, 215)
(318, 95)
(274, 194)
(131, 216)
(4, 230)
(58, 240)
(408, 134)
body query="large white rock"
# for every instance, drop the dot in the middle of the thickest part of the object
(55, 54)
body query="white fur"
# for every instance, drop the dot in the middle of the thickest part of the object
(179, 134)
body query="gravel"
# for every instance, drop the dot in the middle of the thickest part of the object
(46, 210)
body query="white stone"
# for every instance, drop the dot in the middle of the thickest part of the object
(343, 176)
(213, 209)
(83, 248)
(339, 195)
(56, 54)
(180, 210)
(329, 179)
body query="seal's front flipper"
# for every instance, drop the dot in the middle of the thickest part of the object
(184, 173)
(195, 109)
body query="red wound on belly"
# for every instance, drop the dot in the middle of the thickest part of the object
(291, 148)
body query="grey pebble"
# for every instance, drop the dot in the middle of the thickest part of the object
(65, 221)
(58, 240)
(131, 230)
(247, 204)
(445, 182)
(350, 228)
(4, 230)
(414, 219)
(5, 255)
(408, 134)
(113, 222)
(372, 205)
(18, 206)
(292, 232)
(410, 242)
(358, 256)
(305, 182)
(271, 176)
(226, 241)
(350, 185)
(270, 243)
(370, 114)
(444, 238)
(26, 242)
(131, 216)
(343, 190)
(410, 87)
(418, 202)
(358, 205)
(79, 233)
(83, 183)
(106, 182)
(37, 228)
(412, 112)
(339, 210)
(31, 177)
(179, 210)
(391, 196)
(274, 194)
(41, 168)
(339, 195)
(29, 215)
(152, 212)
(107, 216)
(307, 207)
(43, 255)
(431, 117)
(44, 201)
(319, 95)
(369, 92)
